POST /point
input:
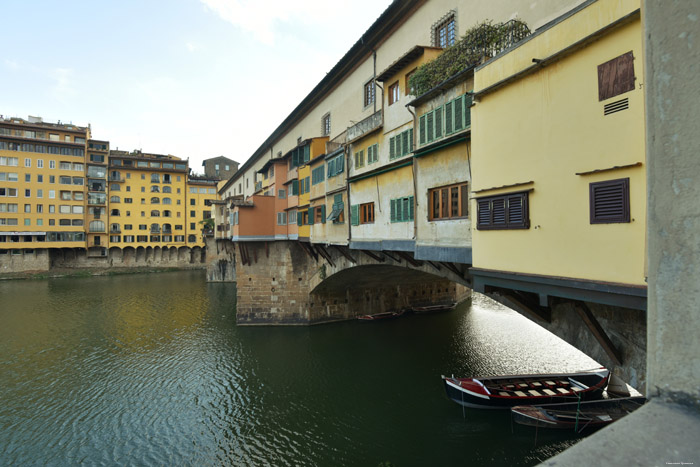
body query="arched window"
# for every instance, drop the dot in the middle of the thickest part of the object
(167, 228)
(167, 213)
(155, 228)
(97, 226)
(155, 213)
(115, 228)
(155, 200)
(192, 238)
(155, 189)
(167, 201)
(155, 178)
(114, 212)
(114, 199)
(167, 189)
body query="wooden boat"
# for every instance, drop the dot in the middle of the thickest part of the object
(434, 308)
(572, 415)
(502, 392)
(380, 316)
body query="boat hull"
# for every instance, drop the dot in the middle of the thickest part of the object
(495, 392)
(586, 415)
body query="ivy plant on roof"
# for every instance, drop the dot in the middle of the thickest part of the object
(484, 40)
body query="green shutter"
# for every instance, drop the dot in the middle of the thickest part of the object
(311, 215)
(393, 210)
(404, 143)
(308, 185)
(399, 150)
(338, 199)
(307, 152)
(299, 219)
(323, 214)
(421, 130)
(430, 123)
(340, 164)
(467, 111)
(459, 113)
(449, 117)
(295, 187)
(295, 159)
(392, 147)
(410, 208)
(355, 214)
(331, 163)
(438, 123)
(410, 140)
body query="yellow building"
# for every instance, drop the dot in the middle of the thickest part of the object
(201, 191)
(42, 185)
(147, 200)
(558, 160)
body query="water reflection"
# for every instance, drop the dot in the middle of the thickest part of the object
(152, 370)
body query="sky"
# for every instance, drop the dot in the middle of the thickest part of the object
(191, 78)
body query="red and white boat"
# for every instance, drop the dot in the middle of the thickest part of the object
(502, 392)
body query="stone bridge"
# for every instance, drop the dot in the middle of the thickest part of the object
(291, 282)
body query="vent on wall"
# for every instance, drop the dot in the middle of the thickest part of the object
(617, 106)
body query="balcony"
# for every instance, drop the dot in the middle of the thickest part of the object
(115, 230)
(363, 127)
(115, 178)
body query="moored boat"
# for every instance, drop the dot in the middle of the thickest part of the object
(575, 415)
(380, 316)
(502, 392)
(434, 308)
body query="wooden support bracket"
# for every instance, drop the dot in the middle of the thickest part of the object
(322, 251)
(344, 252)
(437, 267)
(587, 316)
(309, 250)
(452, 268)
(522, 302)
(391, 256)
(373, 256)
(409, 259)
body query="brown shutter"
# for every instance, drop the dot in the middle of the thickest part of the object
(610, 201)
(616, 76)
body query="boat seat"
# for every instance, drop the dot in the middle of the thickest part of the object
(503, 393)
(576, 389)
(509, 386)
(536, 384)
(562, 391)
(549, 392)
(563, 383)
(534, 393)
(550, 383)
(520, 394)
(522, 385)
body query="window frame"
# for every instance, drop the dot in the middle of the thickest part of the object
(623, 216)
(394, 94)
(524, 224)
(367, 213)
(462, 202)
(369, 93)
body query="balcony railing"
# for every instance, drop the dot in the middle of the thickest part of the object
(362, 127)
(115, 178)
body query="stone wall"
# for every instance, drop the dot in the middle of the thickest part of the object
(283, 284)
(19, 261)
(221, 262)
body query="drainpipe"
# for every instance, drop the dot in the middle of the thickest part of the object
(374, 77)
(415, 174)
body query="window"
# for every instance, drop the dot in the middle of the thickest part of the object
(610, 201)
(509, 211)
(448, 202)
(11, 192)
(337, 213)
(454, 116)
(192, 202)
(326, 125)
(402, 209)
(192, 226)
(52, 164)
(281, 218)
(281, 194)
(362, 214)
(27, 208)
(318, 175)
(359, 159)
(40, 163)
(292, 217)
(394, 93)
(373, 153)
(319, 214)
(445, 31)
(336, 165)
(616, 76)
(27, 193)
(369, 93)
(407, 85)
(401, 144)
(27, 162)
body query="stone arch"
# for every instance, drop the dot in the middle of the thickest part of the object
(116, 254)
(129, 255)
(140, 255)
(183, 254)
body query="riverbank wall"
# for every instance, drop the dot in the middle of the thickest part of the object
(220, 260)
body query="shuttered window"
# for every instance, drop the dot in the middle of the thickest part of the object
(336, 166)
(610, 201)
(402, 209)
(367, 213)
(501, 212)
(448, 202)
(318, 175)
(401, 144)
(454, 116)
(616, 76)
(373, 154)
(319, 213)
(359, 159)
(355, 214)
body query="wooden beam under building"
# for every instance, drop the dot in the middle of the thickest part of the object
(587, 316)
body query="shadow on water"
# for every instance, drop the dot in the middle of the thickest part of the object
(152, 370)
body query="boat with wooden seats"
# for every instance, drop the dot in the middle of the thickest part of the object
(502, 392)
(575, 415)
(381, 316)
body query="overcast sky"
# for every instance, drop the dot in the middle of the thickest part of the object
(191, 78)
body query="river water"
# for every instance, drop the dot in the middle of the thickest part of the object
(152, 370)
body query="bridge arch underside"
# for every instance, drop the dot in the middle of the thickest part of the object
(377, 288)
